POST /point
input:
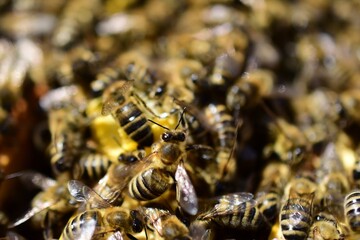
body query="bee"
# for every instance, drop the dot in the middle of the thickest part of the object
(91, 166)
(325, 226)
(290, 143)
(235, 211)
(126, 27)
(225, 133)
(105, 78)
(76, 18)
(226, 69)
(119, 102)
(296, 215)
(101, 219)
(271, 188)
(249, 89)
(167, 225)
(152, 176)
(52, 204)
(351, 210)
(67, 138)
(333, 183)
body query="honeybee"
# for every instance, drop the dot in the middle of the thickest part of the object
(226, 69)
(101, 219)
(119, 102)
(235, 211)
(151, 176)
(167, 225)
(290, 143)
(126, 26)
(296, 214)
(52, 204)
(249, 89)
(225, 133)
(351, 210)
(333, 183)
(271, 188)
(76, 18)
(325, 226)
(105, 78)
(91, 166)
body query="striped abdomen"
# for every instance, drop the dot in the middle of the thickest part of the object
(82, 225)
(352, 210)
(295, 218)
(223, 125)
(149, 184)
(135, 124)
(247, 217)
(92, 166)
(268, 204)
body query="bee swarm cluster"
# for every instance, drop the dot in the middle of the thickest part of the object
(179, 119)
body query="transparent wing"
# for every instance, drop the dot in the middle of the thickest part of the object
(230, 204)
(83, 193)
(115, 236)
(34, 178)
(87, 230)
(33, 211)
(185, 191)
(113, 94)
(119, 175)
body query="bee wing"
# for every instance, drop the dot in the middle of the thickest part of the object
(119, 175)
(83, 193)
(32, 212)
(230, 204)
(108, 106)
(185, 191)
(34, 178)
(116, 236)
(112, 93)
(14, 236)
(88, 230)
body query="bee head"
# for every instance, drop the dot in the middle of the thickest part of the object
(171, 136)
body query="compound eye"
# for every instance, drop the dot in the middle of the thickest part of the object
(166, 137)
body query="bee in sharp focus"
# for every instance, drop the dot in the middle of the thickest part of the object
(235, 211)
(296, 215)
(91, 167)
(101, 219)
(166, 225)
(151, 176)
(351, 210)
(119, 102)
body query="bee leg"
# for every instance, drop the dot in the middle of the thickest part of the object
(47, 226)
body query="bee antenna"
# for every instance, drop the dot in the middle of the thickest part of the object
(158, 124)
(181, 120)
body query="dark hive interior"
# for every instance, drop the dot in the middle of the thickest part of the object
(179, 119)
